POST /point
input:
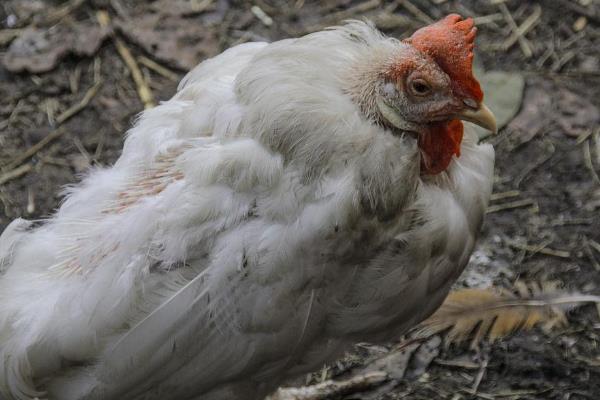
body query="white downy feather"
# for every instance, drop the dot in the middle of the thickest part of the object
(254, 226)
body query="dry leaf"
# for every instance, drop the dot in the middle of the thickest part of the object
(533, 116)
(178, 42)
(575, 114)
(503, 95)
(40, 50)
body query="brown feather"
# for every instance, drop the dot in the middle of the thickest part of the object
(496, 313)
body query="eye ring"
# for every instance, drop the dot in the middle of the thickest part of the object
(420, 87)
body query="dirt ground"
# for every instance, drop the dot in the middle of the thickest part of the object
(66, 78)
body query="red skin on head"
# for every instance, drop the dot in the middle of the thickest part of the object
(450, 43)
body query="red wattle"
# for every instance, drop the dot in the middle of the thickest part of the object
(439, 144)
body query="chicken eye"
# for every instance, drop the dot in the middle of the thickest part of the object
(420, 87)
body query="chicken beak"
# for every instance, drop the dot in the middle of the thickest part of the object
(481, 116)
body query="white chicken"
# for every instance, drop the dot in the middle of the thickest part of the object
(291, 199)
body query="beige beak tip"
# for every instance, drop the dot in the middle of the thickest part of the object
(483, 117)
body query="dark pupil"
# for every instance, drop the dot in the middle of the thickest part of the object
(421, 87)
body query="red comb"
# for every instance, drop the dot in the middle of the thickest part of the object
(450, 43)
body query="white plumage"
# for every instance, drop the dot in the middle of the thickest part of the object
(255, 225)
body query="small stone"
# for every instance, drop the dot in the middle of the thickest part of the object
(11, 21)
(580, 24)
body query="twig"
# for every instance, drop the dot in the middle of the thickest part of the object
(30, 152)
(97, 68)
(15, 173)
(583, 137)
(546, 55)
(74, 78)
(590, 254)
(590, 13)
(520, 393)
(479, 377)
(587, 158)
(523, 42)
(511, 205)
(551, 149)
(68, 113)
(568, 56)
(572, 40)
(483, 396)
(331, 389)
(574, 73)
(144, 91)
(261, 15)
(61, 12)
(201, 6)
(8, 35)
(487, 19)
(597, 144)
(595, 245)
(357, 9)
(159, 69)
(572, 221)
(525, 27)
(75, 108)
(414, 10)
(456, 363)
(505, 195)
(543, 250)
(30, 200)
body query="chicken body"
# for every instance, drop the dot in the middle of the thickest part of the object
(255, 226)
